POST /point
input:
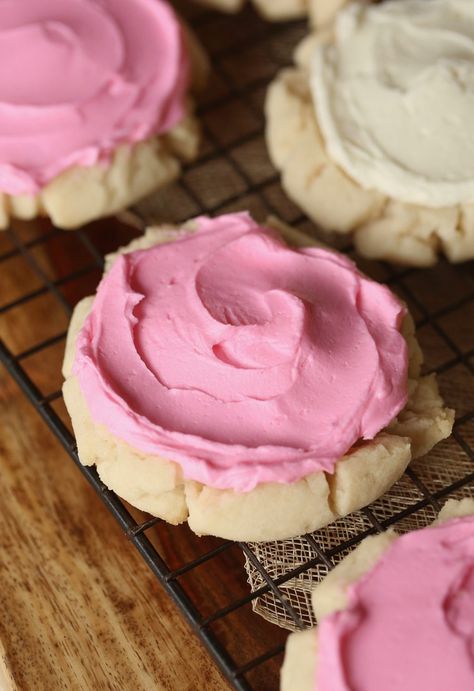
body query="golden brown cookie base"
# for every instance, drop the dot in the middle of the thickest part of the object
(320, 11)
(80, 195)
(277, 10)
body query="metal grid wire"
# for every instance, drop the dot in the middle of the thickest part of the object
(233, 172)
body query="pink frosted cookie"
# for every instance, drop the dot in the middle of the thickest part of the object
(396, 614)
(95, 109)
(257, 391)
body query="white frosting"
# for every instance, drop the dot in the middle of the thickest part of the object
(394, 95)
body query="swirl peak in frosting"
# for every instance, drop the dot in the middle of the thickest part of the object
(83, 77)
(409, 623)
(239, 358)
(394, 95)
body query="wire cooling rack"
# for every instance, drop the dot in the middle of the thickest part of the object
(233, 172)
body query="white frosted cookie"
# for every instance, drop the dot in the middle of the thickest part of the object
(373, 139)
(197, 386)
(400, 620)
(106, 115)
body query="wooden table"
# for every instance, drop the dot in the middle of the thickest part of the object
(79, 608)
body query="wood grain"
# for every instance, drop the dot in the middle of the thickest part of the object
(79, 608)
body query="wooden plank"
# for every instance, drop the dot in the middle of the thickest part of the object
(79, 608)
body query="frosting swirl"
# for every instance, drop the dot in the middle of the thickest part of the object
(410, 621)
(394, 95)
(83, 77)
(241, 359)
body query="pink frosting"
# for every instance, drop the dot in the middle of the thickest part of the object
(81, 77)
(241, 359)
(409, 625)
